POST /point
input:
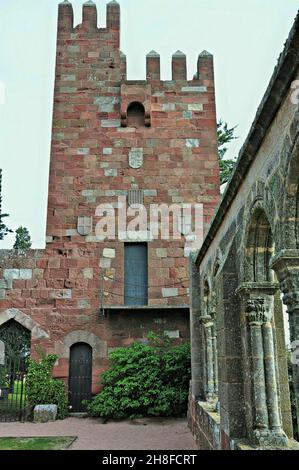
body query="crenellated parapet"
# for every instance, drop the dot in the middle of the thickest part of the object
(103, 46)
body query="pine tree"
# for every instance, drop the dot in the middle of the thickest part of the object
(225, 136)
(23, 240)
(4, 230)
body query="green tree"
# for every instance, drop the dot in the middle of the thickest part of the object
(4, 230)
(225, 136)
(23, 240)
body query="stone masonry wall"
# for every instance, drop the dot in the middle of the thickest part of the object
(97, 156)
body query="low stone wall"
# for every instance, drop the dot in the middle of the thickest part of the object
(204, 424)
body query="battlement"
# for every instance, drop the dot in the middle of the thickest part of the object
(89, 16)
(104, 46)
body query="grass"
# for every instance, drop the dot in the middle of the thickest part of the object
(35, 443)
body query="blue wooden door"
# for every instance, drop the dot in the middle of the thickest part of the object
(136, 274)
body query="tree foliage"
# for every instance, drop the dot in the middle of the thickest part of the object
(23, 239)
(4, 230)
(144, 380)
(42, 388)
(16, 338)
(225, 136)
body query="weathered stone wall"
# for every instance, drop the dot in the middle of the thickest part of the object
(248, 259)
(97, 155)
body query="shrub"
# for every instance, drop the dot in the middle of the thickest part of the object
(145, 380)
(42, 389)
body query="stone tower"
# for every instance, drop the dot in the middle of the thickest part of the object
(115, 142)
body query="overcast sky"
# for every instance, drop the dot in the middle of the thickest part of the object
(246, 38)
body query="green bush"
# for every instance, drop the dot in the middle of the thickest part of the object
(145, 380)
(42, 389)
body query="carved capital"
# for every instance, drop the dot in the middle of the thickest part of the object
(258, 311)
(207, 321)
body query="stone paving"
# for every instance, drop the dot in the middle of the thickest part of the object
(92, 434)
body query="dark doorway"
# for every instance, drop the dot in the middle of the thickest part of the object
(80, 376)
(136, 115)
(136, 274)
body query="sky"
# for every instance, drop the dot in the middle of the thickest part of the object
(245, 37)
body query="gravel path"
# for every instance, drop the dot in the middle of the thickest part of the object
(143, 434)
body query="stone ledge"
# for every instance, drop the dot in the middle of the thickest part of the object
(244, 445)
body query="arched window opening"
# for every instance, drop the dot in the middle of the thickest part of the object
(259, 250)
(136, 115)
(206, 297)
(16, 339)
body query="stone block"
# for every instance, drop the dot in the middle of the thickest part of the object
(45, 413)
(61, 294)
(105, 263)
(68, 78)
(170, 292)
(168, 107)
(11, 274)
(192, 143)
(161, 252)
(88, 273)
(150, 192)
(110, 123)
(194, 89)
(83, 304)
(83, 151)
(73, 49)
(109, 253)
(5, 283)
(187, 114)
(26, 274)
(112, 172)
(107, 151)
(195, 107)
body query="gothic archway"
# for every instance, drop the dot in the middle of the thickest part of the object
(259, 248)
(265, 365)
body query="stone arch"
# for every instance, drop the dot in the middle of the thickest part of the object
(26, 321)
(99, 347)
(258, 242)
(206, 295)
(136, 114)
(290, 210)
(259, 248)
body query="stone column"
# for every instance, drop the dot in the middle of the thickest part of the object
(259, 301)
(256, 319)
(286, 266)
(215, 359)
(197, 360)
(208, 326)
